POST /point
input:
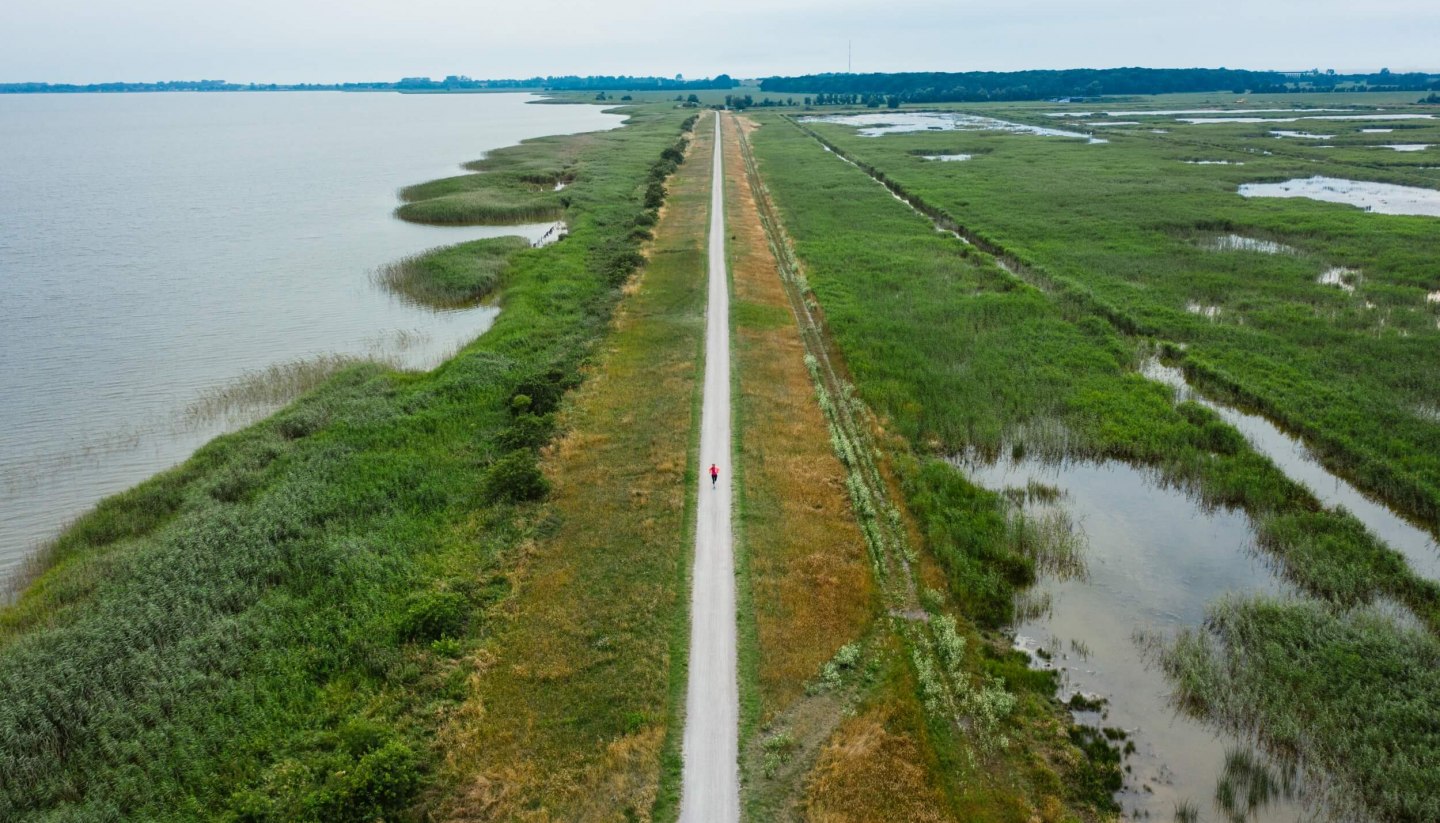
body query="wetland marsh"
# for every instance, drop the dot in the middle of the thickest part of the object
(1312, 358)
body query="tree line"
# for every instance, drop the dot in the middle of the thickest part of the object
(940, 87)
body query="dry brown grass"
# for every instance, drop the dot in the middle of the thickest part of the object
(810, 577)
(873, 770)
(568, 714)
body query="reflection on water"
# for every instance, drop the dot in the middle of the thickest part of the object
(1381, 198)
(876, 125)
(1340, 276)
(1290, 455)
(1236, 242)
(1154, 561)
(158, 247)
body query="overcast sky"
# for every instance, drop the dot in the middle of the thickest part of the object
(81, 41)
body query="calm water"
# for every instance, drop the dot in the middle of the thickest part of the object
(1153, 560)
(155, 246)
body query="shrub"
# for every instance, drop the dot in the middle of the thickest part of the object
(433, 615)
(516, 477)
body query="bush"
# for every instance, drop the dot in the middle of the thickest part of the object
(433, 615)
(515, 478)
(526, 431)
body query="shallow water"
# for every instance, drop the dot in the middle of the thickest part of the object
(1235, 242)
(155, 247)
(1303, 135)
(1418, 546)
(1405, 146)
(1154, 560)
(1215, 162)
(1339, 276)
(1381, 198)
(877, 125)
(948, 158)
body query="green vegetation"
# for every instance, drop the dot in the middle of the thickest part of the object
(1350, 372)
(574, 712)
(1337, 693)
(274, 629)
(985, 726)
(1022, 371)
(452, 276)
(516, 184)
(961, 356)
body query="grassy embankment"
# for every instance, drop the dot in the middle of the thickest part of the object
(276, 629)
(952, 715)
(570, 711)
(957, 355)
(807, 586)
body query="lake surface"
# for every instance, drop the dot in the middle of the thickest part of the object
(156, 247)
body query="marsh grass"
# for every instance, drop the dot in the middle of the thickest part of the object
(453, 276)
(1335, 695)
(957, 354)
(491, 206)
(1332, 369)
(271, 387)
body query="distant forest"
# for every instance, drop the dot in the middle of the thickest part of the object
(944, 87)
(407, 84)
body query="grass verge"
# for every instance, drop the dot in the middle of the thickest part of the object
(570, 711)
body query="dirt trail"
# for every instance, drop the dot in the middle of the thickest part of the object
(710, 791)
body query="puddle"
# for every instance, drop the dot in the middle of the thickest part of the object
(947, 158)
(1153, 561)
(1433, 297)
(1417, 545)
(560, 185)
(1201, 121)
(1235, 242)
(1340, 276)
(1215, 162)
(1376, 131)
(1159, 131)
(1381, 198)
(1113, 123)
(876, 125)
(1405, 146)
(1303, 135)
(1208, 312)
(554, 234)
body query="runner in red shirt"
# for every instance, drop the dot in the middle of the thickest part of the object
(714, 474)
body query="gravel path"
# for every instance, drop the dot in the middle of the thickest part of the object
(710, 792)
